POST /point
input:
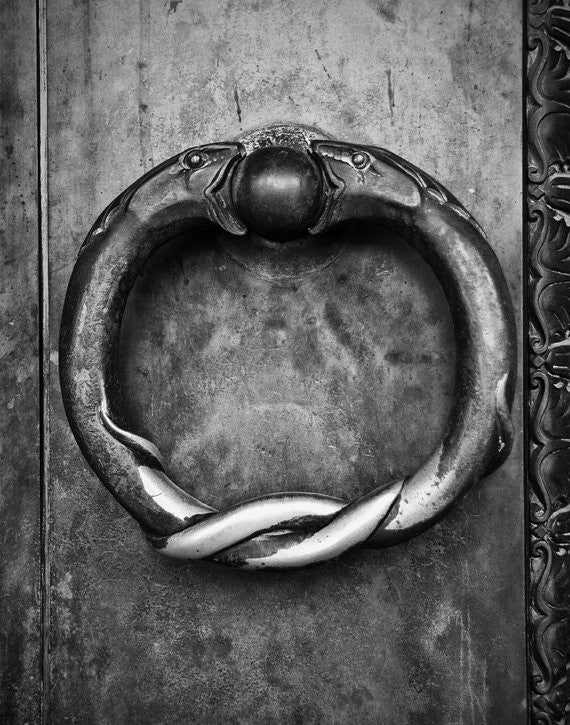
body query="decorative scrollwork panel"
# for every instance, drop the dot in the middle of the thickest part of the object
(548, 109)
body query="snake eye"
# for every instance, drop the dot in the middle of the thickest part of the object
(193, 160)
(359, 160)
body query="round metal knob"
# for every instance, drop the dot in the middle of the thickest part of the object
(277, 192)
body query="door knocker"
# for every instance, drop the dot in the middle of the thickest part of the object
(281, 182)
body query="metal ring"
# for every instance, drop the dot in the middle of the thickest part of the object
(215, 185)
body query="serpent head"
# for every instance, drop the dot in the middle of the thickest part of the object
(358, 178)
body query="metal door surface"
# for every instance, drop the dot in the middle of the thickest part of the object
(252, 381)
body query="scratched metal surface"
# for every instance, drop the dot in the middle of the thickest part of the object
(19, 376)
(329, 382)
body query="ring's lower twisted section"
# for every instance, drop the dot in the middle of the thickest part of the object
(291, 529)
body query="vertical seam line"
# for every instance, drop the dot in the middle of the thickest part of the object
(44, 351)
(525, 342)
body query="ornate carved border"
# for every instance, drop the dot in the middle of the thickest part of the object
(548, 207)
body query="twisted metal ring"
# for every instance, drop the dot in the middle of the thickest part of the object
(283, 181)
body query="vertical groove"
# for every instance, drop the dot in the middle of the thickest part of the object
(44, 348)
(525, 356)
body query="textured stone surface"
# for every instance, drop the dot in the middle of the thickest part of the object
(329, 382)
(19, 378)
